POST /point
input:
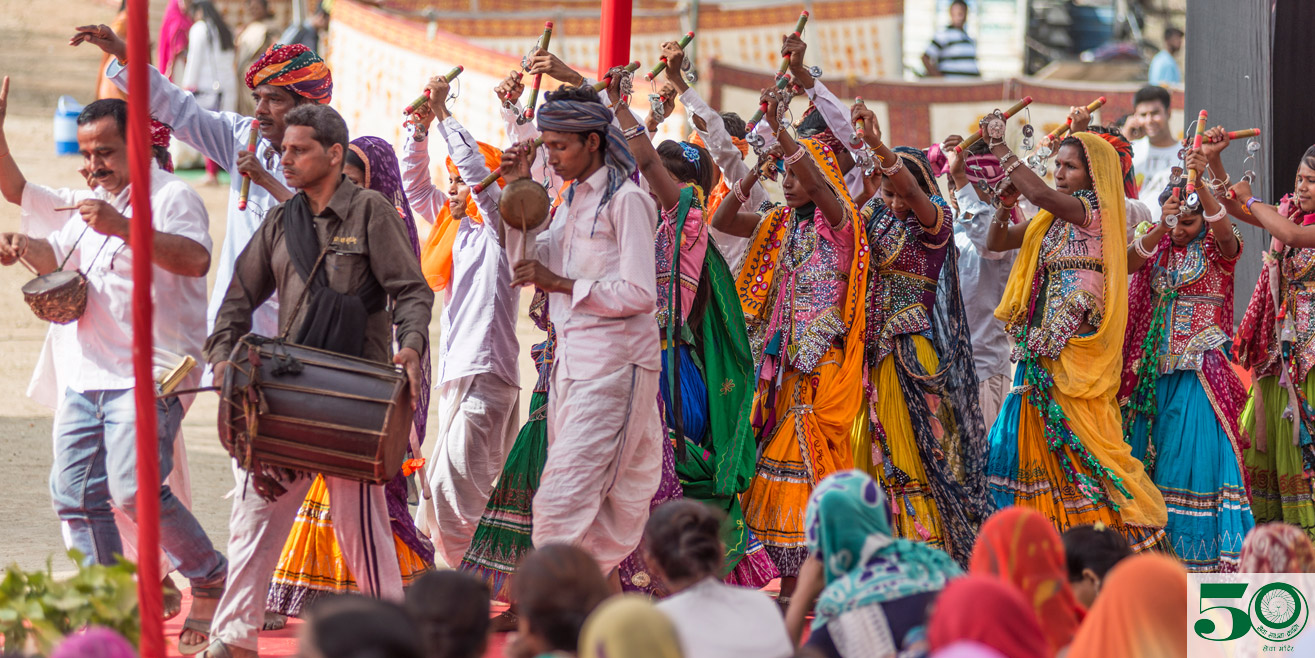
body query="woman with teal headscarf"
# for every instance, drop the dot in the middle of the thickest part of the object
(874, 588)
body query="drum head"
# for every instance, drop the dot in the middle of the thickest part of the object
(50, 282)
(524, 204)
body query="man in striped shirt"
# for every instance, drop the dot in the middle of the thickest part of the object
(952, 53)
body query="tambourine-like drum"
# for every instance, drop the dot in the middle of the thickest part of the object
(296, 407)
(59, 297)
(524, 204)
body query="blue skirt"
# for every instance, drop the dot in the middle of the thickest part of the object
(1197, 469)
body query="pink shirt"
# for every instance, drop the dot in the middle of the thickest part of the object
(607, 321)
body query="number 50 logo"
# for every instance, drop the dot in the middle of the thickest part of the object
(1277, 611)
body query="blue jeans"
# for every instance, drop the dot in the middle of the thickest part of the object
(96, 466)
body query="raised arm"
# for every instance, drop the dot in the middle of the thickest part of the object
(730, 217)
(1004, 235)
(1221, 230)
(835, 113)
(12, 181)
(1142, 248)
(802, 166)
(897, 175)
(1270, 219)
(975, 215)
(465, 154)
(660, 181)
(1064, 206)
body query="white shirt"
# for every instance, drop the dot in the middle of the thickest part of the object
(608, 320)
(716, 620)
(211, 71)
(733, 168)
(218, 136)
(105, 328)
(479, 311)
(1153, 166)
(983, 275)
(60, 353)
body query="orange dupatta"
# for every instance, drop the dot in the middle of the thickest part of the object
(436, 253)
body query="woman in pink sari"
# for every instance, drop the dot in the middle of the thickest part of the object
(173, 37)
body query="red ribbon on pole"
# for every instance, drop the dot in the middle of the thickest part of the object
(140, 236)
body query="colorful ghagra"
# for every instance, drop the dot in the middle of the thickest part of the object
(1057, 445)
(1181, 399)
(1276, 340)
(707, 342)
(802, 288)
(927, 442)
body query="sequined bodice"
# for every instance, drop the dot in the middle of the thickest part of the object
(809, 289)
(693, 245)
(1072, 287)
(1200, 315)
(906, 266)
(1299, 305)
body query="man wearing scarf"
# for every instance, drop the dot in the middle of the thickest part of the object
(343, 250)
(286, 76)
(604, 433)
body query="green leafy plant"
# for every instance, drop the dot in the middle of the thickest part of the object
(36, 607)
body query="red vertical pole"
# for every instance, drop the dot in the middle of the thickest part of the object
(614, 35)
(140, 238)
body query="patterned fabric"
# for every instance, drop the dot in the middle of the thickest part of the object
(810, 394)
(980, 168)
(1060, 448)
(1278, 548)
(584, 116)
(693, 245)
(296, 68)
(1022, 548)
(436, 255)
(1279, 469)
(906, 267)
(848, 528)
(1298, 271)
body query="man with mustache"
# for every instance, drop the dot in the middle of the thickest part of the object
(344, 251)
(94, 471)
(285, 77)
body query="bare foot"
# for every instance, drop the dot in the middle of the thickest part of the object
(203, 611)
(173, 599)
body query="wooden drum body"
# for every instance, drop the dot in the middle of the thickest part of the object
(289, 406)
(524, 204)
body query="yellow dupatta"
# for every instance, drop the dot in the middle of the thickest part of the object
(1088, 371)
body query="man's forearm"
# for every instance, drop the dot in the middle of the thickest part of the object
(12, 181)
(179, 255)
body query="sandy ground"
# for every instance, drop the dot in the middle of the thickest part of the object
(33, 52)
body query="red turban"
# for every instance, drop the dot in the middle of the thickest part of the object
(294, 67)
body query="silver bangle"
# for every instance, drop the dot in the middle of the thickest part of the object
(1141, 250)
(1217, 216)
(636, 131)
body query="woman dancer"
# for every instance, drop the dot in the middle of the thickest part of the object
(1181, 398)
(1057, 445)
(1276, 341)
(312, 564)
(928, 441)
(802, 290)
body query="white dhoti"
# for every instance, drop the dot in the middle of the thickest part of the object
(476, 428)
(991, 393)
(260, 528)
(604, 463)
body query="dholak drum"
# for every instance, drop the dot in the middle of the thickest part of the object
(524, 204)
(59, 297)
(305, 409)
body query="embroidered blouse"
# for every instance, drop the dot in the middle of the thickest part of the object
(906, 265)
(1072, 283)
(1299, 306)
(1200, 318)
(693, 248)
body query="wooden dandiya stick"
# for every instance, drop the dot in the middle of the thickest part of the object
(857, 139)
(246, 180)
(1068, 125)
(64, 209)
(781, 78)
(1193, 174)
(1243, 134)
(662, 65)
(972, 139)
(538, 79)
(420, 101)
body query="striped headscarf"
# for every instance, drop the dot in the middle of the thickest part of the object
(296, 68)
(570, 116)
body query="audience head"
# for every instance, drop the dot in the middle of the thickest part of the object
(1091, 552)
(103, 143)
(629, 626)
(452, 610)
(94, 643)
(688, 163)
(314, 146)
(1141, 612)
(354, 626)
(990, 612)
(682, 539)
(555, 589)
(1020, 546)
(1277, 548)
(1151, 107)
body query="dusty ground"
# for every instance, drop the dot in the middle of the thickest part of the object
(33, 52)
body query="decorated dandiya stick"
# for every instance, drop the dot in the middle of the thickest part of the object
(1068, 125)
(856, 140)
(1193, 174)
(972, 139)
(607, 81)
(246, 180)
(781, 78)
(420, 101)
(538, 78)
(1243, 134)
(662, 65)
(497, 173)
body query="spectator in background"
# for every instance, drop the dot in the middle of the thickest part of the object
(1090, 551)
(211, 73)
(556, 588)
(355, 626)
(1164, 66)
(952, 53)
(1155, 155)
(255, 38)
(173, 38)
(1130, 127)
(452, 610)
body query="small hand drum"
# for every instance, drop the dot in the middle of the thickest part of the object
(59, 297)
(524, 204)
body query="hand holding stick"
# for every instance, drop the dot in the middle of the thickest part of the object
(246, 180)
(781, 78)
(662, 65)
(972, 139)
(423, 99)
(1192, 174)
(1068, 125)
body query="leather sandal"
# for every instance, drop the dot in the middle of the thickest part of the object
(200, 626)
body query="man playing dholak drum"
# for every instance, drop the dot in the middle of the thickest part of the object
(363, 253)
(285, 77)
(95, 425)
